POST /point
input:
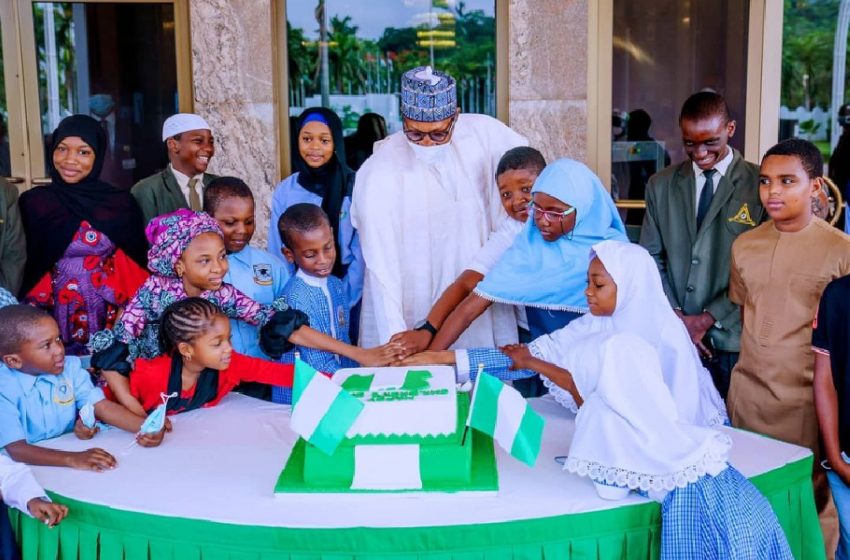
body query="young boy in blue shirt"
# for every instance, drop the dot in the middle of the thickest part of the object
(254, 272)
(308, 243)
(41, 391)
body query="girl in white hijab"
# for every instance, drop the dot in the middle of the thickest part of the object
(624, 295)
(628, 437)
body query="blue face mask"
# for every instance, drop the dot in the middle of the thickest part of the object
(155, 421)
(88, 419)
(101, 104)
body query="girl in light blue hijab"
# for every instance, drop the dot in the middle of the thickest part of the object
(545, 269)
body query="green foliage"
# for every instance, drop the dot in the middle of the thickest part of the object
(809, 126)
(808, 36)
(64, 37)
(355, 62)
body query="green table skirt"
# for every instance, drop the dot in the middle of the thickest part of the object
(629, 532)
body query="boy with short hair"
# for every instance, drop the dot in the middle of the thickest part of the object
(308, 243)
(694, 212)
(190, 145)
(41, 391)
(254, 272)
(779, 271)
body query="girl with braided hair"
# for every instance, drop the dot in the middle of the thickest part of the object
(199, 363)
(187, 258)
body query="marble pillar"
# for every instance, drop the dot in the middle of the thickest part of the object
(548, 46)
(232, 74)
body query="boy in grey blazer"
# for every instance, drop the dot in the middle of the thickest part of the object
(689, 229)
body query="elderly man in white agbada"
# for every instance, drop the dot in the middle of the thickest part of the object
(424, 205)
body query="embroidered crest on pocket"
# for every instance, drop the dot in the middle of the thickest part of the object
(742, 216)
(263, 274)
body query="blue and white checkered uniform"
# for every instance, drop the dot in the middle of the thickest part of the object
(721, 517)
(6, 298)
(495, 363)
(312, 301)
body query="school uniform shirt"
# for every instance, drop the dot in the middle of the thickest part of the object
(831, 337)
(149, 379)
(496, 245)
(324, 301)
(778, 278)
(289, 192)
(183, 183)
(17, 485)
(39, 407)
(261, 277)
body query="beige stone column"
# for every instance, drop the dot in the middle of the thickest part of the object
(548, 46)
(233, 89)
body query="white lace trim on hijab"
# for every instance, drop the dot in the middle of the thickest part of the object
(712, 462)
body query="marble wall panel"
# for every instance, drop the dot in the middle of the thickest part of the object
(233, 89)
(556, 128)
(548, 46)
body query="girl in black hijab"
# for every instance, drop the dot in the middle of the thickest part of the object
(86, 249)
(322, 178)
(371, 128)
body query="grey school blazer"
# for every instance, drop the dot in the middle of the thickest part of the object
(694, 265)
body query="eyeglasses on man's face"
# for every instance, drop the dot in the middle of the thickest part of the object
(436, 136)
(548, 215)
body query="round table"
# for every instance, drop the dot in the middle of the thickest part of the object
(206, 493)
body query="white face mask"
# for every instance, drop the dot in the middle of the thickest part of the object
(431, 155)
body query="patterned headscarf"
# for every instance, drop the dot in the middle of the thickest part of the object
(170, 234)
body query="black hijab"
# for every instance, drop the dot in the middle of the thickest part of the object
(206, 389)
(51, 214)
(359, 146)
(333, 181)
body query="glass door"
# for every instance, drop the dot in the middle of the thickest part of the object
(13, 161)
(115, 61)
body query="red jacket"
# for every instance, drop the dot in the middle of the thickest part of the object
(150, 378)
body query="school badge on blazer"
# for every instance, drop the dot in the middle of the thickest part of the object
(64, 394)
(742, 216)
(263, 274)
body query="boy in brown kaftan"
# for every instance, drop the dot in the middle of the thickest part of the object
(779, 271)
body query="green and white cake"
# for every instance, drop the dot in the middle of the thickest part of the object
(408, 438)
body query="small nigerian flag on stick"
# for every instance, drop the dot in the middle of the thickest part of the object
(500, 411)
(322, 411)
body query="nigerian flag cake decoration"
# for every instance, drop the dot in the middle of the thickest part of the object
(322, 411)
(501, 412)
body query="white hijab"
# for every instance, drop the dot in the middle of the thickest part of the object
(642, 309)
(628, 432)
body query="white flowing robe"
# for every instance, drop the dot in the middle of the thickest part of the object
(420, 226)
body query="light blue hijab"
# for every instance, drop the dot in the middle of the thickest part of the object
(553, 275)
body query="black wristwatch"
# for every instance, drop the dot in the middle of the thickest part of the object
(424, 325)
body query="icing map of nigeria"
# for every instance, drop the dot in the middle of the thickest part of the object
(416, 385)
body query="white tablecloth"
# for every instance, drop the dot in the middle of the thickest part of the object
(221, 464)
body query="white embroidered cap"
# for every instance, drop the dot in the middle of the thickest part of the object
(182, 122)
